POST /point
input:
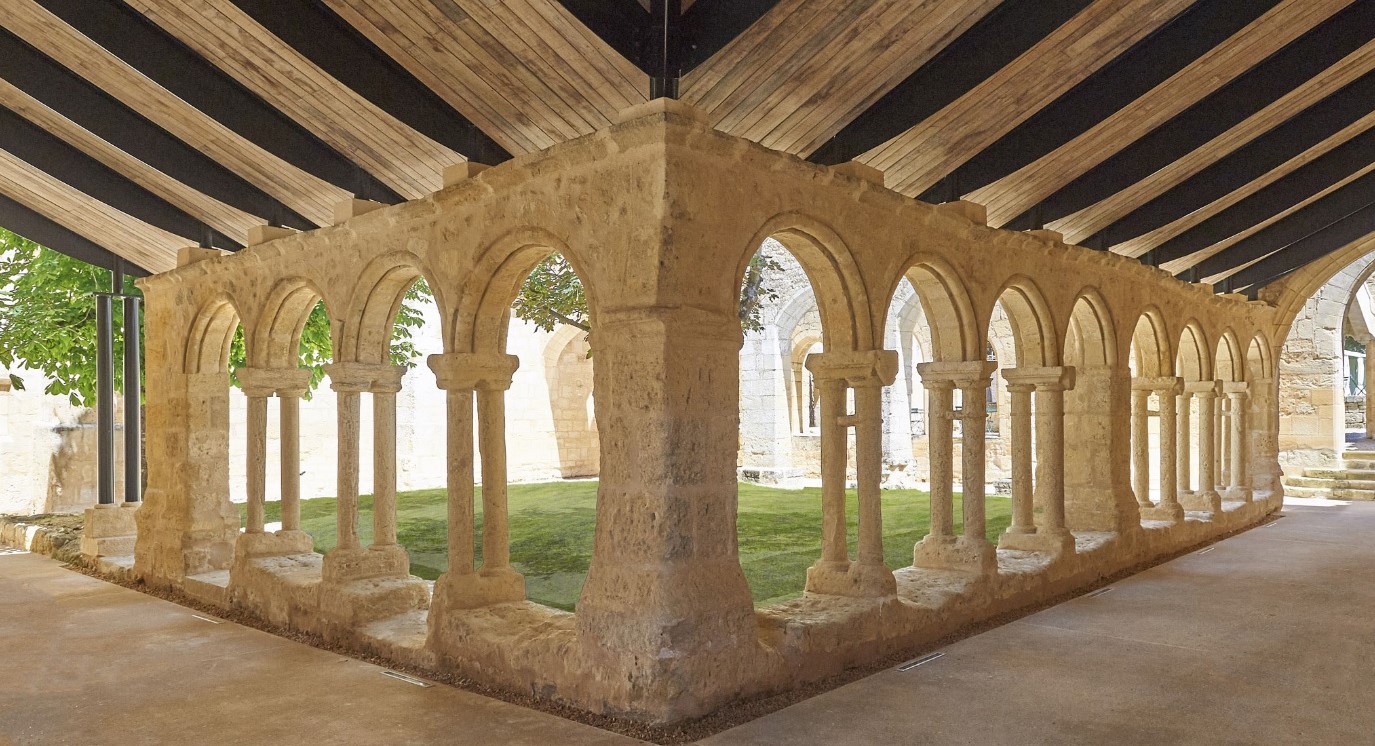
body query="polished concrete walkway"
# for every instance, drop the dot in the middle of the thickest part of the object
(1265, 639)
(1269, 638)
(83, 661)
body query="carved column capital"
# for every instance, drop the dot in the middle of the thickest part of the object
(963, 374)
(1163, 385)
(376, 378)
(856, 368)
(458, 371)
(264, 382)
(1054, 378)
(1202, 389)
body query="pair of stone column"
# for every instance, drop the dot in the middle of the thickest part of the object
(941, 549)
(288, 385)
(349, 560)
(485, 377)
(1206, 498)
(1172, 428)
(866, 373)
(1238, 442)
(1049, 385)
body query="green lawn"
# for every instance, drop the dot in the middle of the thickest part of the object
(552, 523)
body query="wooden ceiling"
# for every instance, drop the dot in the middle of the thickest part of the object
(1228, 141)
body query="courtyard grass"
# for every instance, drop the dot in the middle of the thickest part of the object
(552, 526)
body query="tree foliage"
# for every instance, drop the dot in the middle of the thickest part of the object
(48, 318)
(553, 295)
(47, 322)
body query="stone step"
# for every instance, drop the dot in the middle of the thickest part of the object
(1350, 484)
(1359, 459)
(1335, 493)
(1331, 473)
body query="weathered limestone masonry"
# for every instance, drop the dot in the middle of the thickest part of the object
(660, 214)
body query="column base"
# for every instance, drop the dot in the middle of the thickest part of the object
(343, 565)
(477, 589)
(1208, 501)
(855, 580)
(263, 544)
(1237, 493)
(1172, 512)
(1057, 543)
(955, 553)
(109, 530)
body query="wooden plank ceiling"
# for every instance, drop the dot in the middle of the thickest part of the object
(885, 81)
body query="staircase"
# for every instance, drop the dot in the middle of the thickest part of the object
(1354, 479)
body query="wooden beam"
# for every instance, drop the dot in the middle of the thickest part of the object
(1310, 248)
(1148, 63)
(1284, 193)
(709, 25)
(105, 117)
(80, 171)
(1258, 157)
(997, 39)
(1334, 207)
(622, 24)
(38, 228)
(1281, 73)
(336, 47)
(144, 46)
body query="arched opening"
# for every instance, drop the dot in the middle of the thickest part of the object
(1196, 422)
(1229, 370)
(1155, 392)
(520, 536)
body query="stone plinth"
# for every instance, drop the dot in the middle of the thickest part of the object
(110, 530)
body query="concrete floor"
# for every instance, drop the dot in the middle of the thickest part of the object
(83, 661)
(1264, 639)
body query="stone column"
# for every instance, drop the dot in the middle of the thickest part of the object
(1023, 517)
(1184, 427)
(289, 411)
(867, 373)
(834, 552)
(486, 377)
(971, 552)
(257, 456)
(1370, 389)
(1206, 498)
(384, 393)
(1238, 485)
(1167, 388)
(1141, 444)
(1221, 442)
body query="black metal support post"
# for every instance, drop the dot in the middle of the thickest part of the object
(133, 413)
(105, 399)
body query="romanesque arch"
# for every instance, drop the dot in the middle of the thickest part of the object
(277, 335)
(949, 312)
(210, 336)
(1152, 351)
(1092, 334)
(1033, 327)
(366, 332)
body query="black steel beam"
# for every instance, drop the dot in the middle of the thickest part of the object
(1312, 247)
(55, 157)
(104, 116)
(1148, 63)
(140, 43)
(709, 25)
(1324, 211)
(133, 402)
(665, 37)
(1279, 74)
(44, 231)
(995, 40)
(1274, 198)
(342, 51)
(105, 396)
(1251, 161)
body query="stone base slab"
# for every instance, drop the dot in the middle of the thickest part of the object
(346, 607)
(854, 580)
(1208, 502)
(477, 589)
(344, 565)
(1173, 513)
(955, 553)
(1237, 493)
(110, 530)
(1049, 543)
(250, 545)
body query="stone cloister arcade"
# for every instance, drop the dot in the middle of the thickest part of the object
(1141, 421)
